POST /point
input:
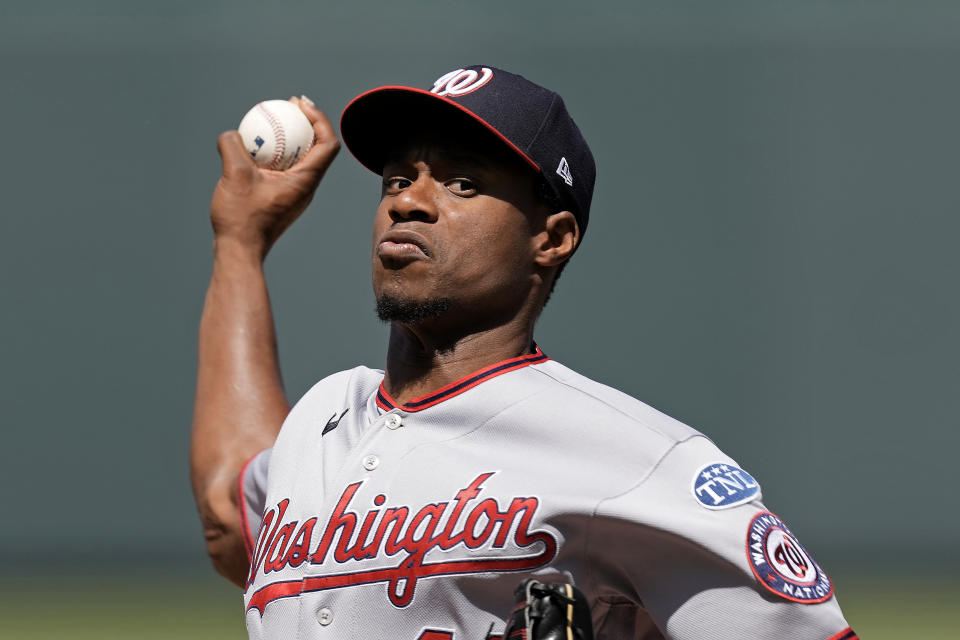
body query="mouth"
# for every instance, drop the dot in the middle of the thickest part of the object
(402, 246)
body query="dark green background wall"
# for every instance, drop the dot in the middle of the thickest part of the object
(772, 253)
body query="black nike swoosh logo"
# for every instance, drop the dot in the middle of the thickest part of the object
(333, 422)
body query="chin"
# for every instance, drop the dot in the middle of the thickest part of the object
(406, 310)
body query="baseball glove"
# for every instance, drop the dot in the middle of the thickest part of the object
(555, 611)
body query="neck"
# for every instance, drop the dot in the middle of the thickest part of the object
(420, 361)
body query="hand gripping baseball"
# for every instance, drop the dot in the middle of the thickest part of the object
(255, 206)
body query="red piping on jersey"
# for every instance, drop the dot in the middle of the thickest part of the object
(244, 525)
(846, 634)
(384, 401)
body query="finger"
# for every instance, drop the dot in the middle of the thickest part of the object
(325, 145)
(322, 129)
(234, 156)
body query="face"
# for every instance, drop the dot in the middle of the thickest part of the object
(453, 235)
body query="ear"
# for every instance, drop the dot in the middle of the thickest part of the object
(557, 240)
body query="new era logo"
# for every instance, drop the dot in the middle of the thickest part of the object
(564, 172)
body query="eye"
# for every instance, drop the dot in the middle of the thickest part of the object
(461, 187)
(395, 184)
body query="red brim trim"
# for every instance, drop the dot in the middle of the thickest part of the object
(432, 99)
(846, 634)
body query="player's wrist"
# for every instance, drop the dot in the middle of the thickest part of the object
(240, 247)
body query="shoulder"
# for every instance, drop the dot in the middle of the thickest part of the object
(593, 421)
(319, 409)
(584, 398)
(349, 389)
(351, 386)
(674, 451)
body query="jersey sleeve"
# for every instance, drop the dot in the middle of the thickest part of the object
(252, 492)
(693, 546)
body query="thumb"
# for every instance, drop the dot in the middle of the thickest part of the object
(233, 155)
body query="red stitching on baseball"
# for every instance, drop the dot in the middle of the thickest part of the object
(280, 140)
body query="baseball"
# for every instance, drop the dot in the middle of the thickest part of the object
(276, 133)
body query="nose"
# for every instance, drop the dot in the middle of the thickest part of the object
(418, 201)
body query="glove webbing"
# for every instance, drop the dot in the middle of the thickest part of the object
(556, 611)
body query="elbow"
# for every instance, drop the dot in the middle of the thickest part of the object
(224, 540)
(228, 558)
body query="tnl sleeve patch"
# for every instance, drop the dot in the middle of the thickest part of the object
(781, 564)
(719, 486)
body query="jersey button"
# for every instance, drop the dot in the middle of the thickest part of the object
(325, 616)
(394, 421)
(371, 462)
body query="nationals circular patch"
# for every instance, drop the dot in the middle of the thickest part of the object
(781, 564)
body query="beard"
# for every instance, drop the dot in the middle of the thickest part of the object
(391, 309)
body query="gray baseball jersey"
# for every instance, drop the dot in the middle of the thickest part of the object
(373, 520)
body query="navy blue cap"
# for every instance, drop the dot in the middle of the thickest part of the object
(529, 119)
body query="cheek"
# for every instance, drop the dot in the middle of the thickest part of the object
(494, 253)
(381, 221)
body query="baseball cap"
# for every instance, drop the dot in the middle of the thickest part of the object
(530, 120)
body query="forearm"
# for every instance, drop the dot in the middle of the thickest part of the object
(240, 403)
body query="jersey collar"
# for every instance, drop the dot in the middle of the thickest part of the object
(385, 402)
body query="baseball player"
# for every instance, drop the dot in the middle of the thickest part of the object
(408, 503)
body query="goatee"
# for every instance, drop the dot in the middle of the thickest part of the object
(390, 309)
